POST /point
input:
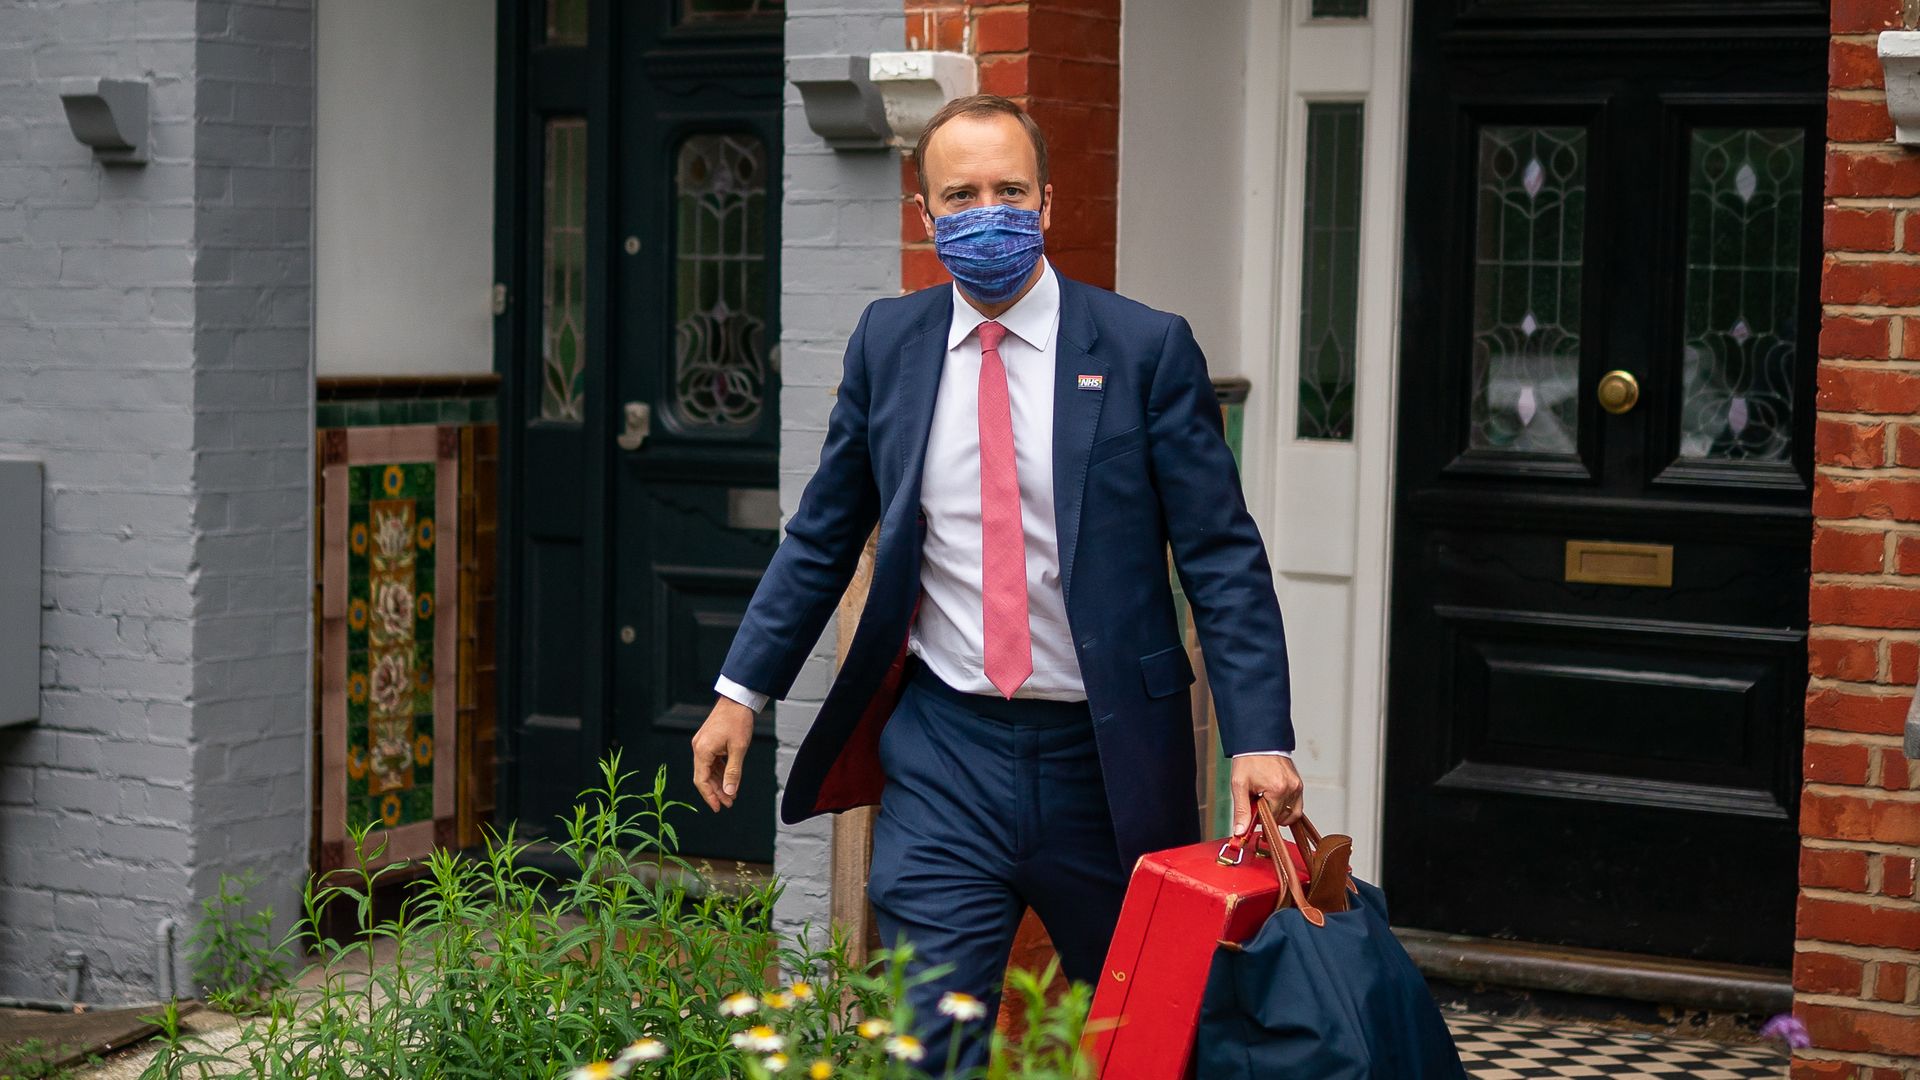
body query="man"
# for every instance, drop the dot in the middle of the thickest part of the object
(1016, 695)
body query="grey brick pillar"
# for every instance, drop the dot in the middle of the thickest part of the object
(840, 251)
(154, 354)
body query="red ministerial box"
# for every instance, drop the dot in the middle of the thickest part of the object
(1180, 904)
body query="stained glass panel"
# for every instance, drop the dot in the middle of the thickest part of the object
(1339, 9)
(564, 273)
(1529, 239)
(566, 22)
(732, 12)
(1329, 271)
(720, 289)
(1742, 294)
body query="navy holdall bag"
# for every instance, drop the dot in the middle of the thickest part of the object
(1324, 991)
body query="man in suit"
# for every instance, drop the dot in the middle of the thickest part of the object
(1016, 694)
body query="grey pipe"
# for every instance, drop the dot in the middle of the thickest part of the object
(163, 961)
(76, 970)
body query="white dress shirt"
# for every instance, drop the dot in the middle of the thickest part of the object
(948, 632)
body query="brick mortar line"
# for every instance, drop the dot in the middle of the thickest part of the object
(1892, 795)
(1871, 363)
(1891, 903)
(1822, 682)
(1831, 737)
(1872, 202)
(1857, 952)
(1864, 847)
(1890, 1008)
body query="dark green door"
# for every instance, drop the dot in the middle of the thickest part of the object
(647, 411)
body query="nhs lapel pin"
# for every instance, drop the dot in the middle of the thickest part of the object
(1092, 382)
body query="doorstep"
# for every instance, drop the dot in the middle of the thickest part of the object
(1599, 973)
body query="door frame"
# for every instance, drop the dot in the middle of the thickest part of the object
(1677, 473)
(1326, 508)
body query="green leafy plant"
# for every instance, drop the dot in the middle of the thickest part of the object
(234, 956)
(628, 964)
(37, 1059)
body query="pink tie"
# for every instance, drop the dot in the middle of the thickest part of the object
(1003, 549)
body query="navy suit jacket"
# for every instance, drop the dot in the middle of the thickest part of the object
(1138, 464)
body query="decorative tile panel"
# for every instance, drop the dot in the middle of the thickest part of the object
(389, 620)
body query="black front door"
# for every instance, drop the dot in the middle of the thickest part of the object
(1604, 470)
(642, 464)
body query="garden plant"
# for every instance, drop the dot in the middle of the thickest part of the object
(630, 964)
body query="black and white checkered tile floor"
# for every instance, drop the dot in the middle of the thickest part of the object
(1495, 1048)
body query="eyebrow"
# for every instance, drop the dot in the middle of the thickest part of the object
(1011, 181)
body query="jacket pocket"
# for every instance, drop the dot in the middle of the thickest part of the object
(1116, 444)
(1166, 672)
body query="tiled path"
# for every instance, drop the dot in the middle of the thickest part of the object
(1496, 1048)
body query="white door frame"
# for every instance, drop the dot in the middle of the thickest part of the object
(1326, 507)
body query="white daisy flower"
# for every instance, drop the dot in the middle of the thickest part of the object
(905, 1048)
(762, 1038)
(599, 1070)
(779, 999)
(873, 1029)
(738, 1004)
(642, 1050)
(774, 1062)
(801, 991)
(962, 1007)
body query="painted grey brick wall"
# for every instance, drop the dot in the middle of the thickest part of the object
(153, 353)
(840, 251)
(252, 434)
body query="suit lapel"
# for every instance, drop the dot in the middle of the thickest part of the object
(1076, 416)
(923, 357)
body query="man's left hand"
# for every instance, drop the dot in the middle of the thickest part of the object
(1277, 782)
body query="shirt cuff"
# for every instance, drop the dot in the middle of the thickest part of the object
(733, 691)
(1266, 753)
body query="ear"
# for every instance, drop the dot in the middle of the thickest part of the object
(1046, 208)
(926, 219)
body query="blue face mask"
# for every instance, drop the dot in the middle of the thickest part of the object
(989, 250)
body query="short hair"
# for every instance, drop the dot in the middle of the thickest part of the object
(978, 106)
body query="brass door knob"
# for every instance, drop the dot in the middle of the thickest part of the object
(1618, 391)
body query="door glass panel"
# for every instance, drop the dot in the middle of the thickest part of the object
(563, 301)
(566, 22)
(732, 12)
(1339, 9)
(1530, 224)
(1329, 271)
(1742, 294)
(720, 281)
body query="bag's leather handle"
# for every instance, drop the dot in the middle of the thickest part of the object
(1283, 866)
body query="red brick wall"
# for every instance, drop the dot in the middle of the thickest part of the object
(1061, 60)
(1857, 969)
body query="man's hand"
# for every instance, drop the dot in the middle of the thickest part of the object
(720, 750)
(1274, 778)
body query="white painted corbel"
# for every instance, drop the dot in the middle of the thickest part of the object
(842, 105)
(913, 86)
(110, 115)
(1900, 61)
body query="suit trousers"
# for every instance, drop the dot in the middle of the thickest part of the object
(991, 806)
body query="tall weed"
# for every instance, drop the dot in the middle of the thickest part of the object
(630, 963)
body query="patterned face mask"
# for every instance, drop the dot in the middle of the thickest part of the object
(989, 250)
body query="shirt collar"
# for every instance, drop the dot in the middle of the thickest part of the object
(1032, 319)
